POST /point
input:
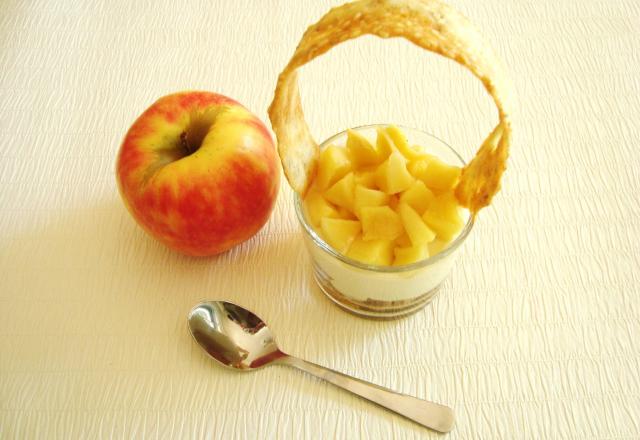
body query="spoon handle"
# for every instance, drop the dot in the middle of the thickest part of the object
(429, 414)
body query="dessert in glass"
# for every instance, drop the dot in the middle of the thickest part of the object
(383, 241)
(384, 210)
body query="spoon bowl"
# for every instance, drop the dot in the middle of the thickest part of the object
(233, 335)
(238, 339)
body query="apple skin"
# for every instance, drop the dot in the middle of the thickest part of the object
(199, 172)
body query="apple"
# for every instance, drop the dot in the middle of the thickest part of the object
(198, 171)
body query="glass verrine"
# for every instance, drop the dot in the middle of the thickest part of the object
(382, 291)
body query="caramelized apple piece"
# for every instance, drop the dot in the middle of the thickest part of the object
(418, 196)
(366, 177)
(368, 197)
(403, 241)
(418, 168)
(341, 193)
(418, 232)
(339, 233)
(380, 223)
(392, 175)
(436, 246)
(346, 214)
(384, 144)
(361, 151)
(401, 143)
(441, 176)
(409, 255)
(333, 165)
(394, 200)
(376, 252)
(443, 217)
(318, 207)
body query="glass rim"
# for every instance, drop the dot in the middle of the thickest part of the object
(309, 230)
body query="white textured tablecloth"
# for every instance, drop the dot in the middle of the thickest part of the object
(535, 335)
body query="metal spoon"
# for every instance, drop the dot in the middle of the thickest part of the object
(237, 338)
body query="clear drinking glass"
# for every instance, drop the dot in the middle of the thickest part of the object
(382, 291)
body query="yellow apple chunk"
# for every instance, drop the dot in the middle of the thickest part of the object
(341, 193)
(318, 207)
(361, 151)
(418, 167)
(368, 197)
(333, 165)
(376, 252)
(380, 223)
(409, 255)
(393, 202)
(418, 196)
(403, 241)
(418, 232)
(346, 214)
(436, 246)
(339, 233)
(443, 217)
(401, 143)
(392, 175)
(366, 177)
(384, 144)
(441, 176)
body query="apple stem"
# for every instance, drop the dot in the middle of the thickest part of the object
(184, 143)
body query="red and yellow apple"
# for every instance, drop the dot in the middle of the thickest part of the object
(198, 171)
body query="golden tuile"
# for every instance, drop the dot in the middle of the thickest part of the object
(431, 25)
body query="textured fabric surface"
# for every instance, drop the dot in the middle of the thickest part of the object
(536, 334)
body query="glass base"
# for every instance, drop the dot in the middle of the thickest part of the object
(371, 308)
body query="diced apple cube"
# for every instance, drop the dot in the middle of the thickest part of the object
(441, 176)
(418, 196)
(436, 246)
(443, 217)
(392, 176)
(366, 177)
(346, 214)
(401, 143)
(394, 199)
(339, 233)
(318, 207)
(380, 223)
(384, 144)
(341, 193)
(403, 241)
(422, 151)
(368, 197)
(409, 255)
(361, 151)
(376, 252)
(418, 232)
(333, 165)
(418, 167)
